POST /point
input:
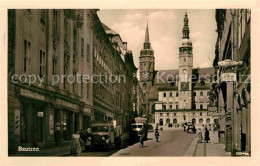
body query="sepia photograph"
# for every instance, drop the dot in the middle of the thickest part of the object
(129, 82)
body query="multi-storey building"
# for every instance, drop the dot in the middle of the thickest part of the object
(172, 96)
(65, 52)
(112, 100)
(52, 46)
(232, 97)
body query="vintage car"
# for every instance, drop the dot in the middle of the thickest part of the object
(105, 135)
(191, 128)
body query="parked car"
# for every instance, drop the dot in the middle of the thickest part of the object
(105, 135)
(191, 128)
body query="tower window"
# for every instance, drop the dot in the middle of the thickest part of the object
(170, 94)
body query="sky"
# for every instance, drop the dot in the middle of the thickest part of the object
(165, 32)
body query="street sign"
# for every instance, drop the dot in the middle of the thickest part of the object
(228, 77)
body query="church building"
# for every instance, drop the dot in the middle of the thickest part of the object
(175, 96)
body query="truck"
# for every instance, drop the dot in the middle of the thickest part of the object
(105, 135)
(136, 126)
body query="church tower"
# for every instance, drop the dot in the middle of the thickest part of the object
(146, 68)
(185, 67)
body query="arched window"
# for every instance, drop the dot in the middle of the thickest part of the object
(174, 121)
(168, 121)
(201, 121)
(208, 121)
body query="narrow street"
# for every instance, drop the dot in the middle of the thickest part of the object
(172, 142)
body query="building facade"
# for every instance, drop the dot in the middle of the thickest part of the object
(55, 58)
(233, 96)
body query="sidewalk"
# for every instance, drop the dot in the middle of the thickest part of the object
(213, 148)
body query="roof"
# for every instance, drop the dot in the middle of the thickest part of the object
(109, 30)
(161, 76)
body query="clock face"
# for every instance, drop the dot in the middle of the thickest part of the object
(184, 86)
(185, 71)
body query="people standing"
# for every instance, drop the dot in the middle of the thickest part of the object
(76, 144)
(207, 138)
(157, 134)
(200, 136)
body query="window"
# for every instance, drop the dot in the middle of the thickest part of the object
(82, 87)
(177, 107)
(42, 63)
(170, 94)
(75, 39)
(184, 59)
(194, 93)
(65, 70)
(134, 107)
(164, 107)
(200, 121)
(54, 66)
(174, 114)
(201, 93)
(201, 106)
(26, 60)
(167, 114)
(164, 94)
(207, 93)
(74, 82)
(160, 114)
(55, 22)
(200, 113)
(170, 106)
(43, 17)
(88, 52)
(177, 94)
(88, 90)
(82, 47)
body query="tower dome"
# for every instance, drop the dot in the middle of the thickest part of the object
(186, 43)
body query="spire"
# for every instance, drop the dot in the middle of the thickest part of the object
(147, 40)
(186, 30)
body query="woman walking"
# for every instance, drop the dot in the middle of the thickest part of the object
(207, 135)
(200, 136)
(76, 144)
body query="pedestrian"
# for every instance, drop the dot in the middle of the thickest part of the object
(141, 134)
(200, 136)
(184, 127)
(207, 138)
(76, 144)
